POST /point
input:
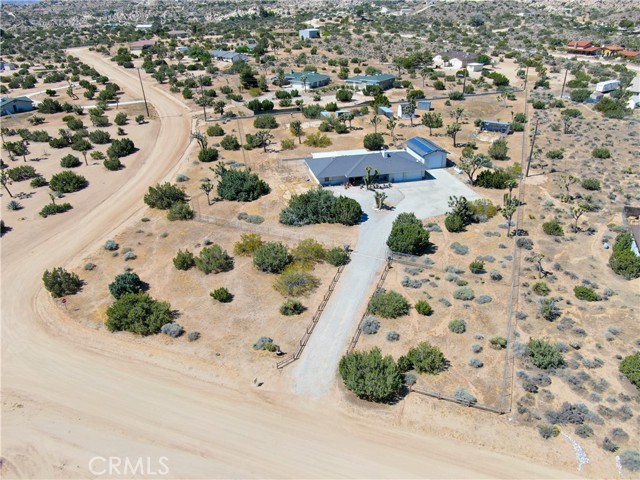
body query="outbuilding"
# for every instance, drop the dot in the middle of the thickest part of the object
(386, 111)
(308, 33)
(423, 105)
(475, 67)
(607, 86)
(493, 126)
(227, 56)
(11, 106)
(427, 152)
(383, 80)
(404, 111)
(141, 45)
(306, 79)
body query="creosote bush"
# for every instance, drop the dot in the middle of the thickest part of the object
(294, 282)
(585, 293)
(222, 295)
(271, 257)
(424, 358)
(458, 326)
(553, 228)
(214, 259)
(544, 355)
(248, 244)
(60, 282)
(184, 260)
(337, 257)
(138, 313)
(388, 304)
(423, 308)
(464, 293)
(370, 376)
(291, 307)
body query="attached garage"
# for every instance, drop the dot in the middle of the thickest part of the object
(427, 152)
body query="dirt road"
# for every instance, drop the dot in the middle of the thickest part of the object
(72, 397)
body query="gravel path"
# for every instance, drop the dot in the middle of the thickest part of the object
(315, 372)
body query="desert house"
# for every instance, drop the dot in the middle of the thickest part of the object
(611, 50)
(228, 56)
(308, 33)
(141, 45)
(409, 164)
(607, 86)
(583, 47)
(16, 105)
(475, 67)
(454, 59)
(629, 54)
(8, 66)
(178, 33)
(305, 79)
(383, 80)
(495, 126)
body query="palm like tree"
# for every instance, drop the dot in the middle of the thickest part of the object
(391, 125)
(5, 180)
(375, 121)
(207, 187)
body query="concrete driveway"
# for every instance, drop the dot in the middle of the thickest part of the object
(315, 372)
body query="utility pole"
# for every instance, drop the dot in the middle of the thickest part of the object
(204, 100)
(533, 142)
(143, 95)
(566, 72)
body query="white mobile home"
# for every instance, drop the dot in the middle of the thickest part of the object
(607, 86)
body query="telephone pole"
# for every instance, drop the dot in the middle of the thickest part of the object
(146, 106)
(566, 72)
(533, 142)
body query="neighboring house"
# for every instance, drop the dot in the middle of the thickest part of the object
(607, 86)
(11, 106)
(611, 50)
(583, 47)
(386, 111)
(427, 152)
(493, 126)
(629, 54)
(475, 67)
(8, 66)
(635, 85)
(178, 33)
(383, 80)
(144, 26)
(410, 164)
(182, 49)
(308, 33)
(141, 45)
(305, 79)
(227, 56)
(454, 59)
(633, 102)
(423, 105)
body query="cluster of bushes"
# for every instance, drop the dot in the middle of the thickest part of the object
(60, 282)
(169, 197)
(320, 206)
(240, 185)
(408, 235)
(498, 179)
(460, 214)
(138, 313)
(260, 106)
(388, 304)
(553, 228)
(544, 355)
(67, 182)
(623, 261)
(54, 209)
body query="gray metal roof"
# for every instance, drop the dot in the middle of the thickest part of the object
(312, 77)
(423, 147)
(350, 166)
(371, 79)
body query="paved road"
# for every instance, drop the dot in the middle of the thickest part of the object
(315, 372)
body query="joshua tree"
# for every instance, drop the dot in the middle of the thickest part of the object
(9, 147)
(303, 79)
(379, 198)
(456, 114)
(424, 73)
(537, 259)
(576, 213)
(508, 209)
(296, 129)
(218, 107)
(391, 125)
(470, 165)
(207, 187)
(432, 120)
(20, 148)
(511, 184)
(263, 139)
(200, 138)
(566, 180)
(348, 117)
(5, 180)
(452, 131)
(375, 121)
(410, 109)
(369, 178)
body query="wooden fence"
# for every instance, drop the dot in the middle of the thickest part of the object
(439, 396)
(314, 321)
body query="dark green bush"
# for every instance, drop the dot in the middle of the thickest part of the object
(320, 206)
(121, 148)
(128, 282)
(21, 172)
(544, 355)
(453, 223)
(54, 209)
(630, 368)
(230, 142)
(337, 257)
(553, 227)
(623, 261)
(591, 184)
(477, 266)
(138, 313)
(59, 282)
(207, 155)
(408, 235)
(222, 295)
(271, 257)
(180, 211)
(601, 153)
(164, 196)
(373, 141)
(215, 131)
(541, 288)
(425, 358)
(423, 308)
(112, 164)
(38, 182)
(240, 185)
(292, 307)
(497, 179)
(388, 304)
(458, 326)
(213, 259)
(67, 182)
(370, 376)
(265, 121)
(99, 137)
(184, 260)
(70, 161)
(585, 293)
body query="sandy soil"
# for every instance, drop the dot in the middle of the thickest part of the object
(69, 395)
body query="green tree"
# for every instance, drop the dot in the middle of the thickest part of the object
(164, 196)
(370, 376)
(408, 235)
(499, 150)
(271, 257)
(470, 165)
(432, 120)
(453, 130)
(138, 313)
(630, 368)
(120, 119)
(60, 282)
(213, 259)
(296, 129)
(388, 304)
(426, 358)
(239, 185)
(373, 141)
(67, 182)
(184, 260)
(128, 282)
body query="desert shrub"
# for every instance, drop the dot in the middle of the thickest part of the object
(112, 164)
(495, 275)
(89, 266)
(459, 248)
(423, 308)
(265, 343)
(544, 355)
(458, 326)
(464, 293)
(623, 261)
(308, 252)
(584, 431)
(370, 326)
(54, 209)
(128, 282)
(173, 330)
(130, 255)
(60, 282)
(38, 182)
(138, 313)
(320, 206)
(21, 172)
(483, 210)
(548, 309)
(498, 343)
(337, 257)
(497, 179)
(370, 375)
(248, 244)
(601, 153)
(99, 137)
(608, 445)
(373, 141)
(120, 148)
(541, 288)
(240, 185)
(292, 307)
(271, 257)
(193, 336)
(388, 304)
(568, 413)
(499, 149)
(630, 368)
(180, 211)
(408, 235)
(524, 243)
(110, 245)
(548, 431)
(591, 184)
(213, 259)
(585, 293)
(164, 196)
(483, 299)
(67, 182)
(184, 260)
(464, 396)
(477, 266)
(265, 121)
(230, 142)
(222, 295)
(453, 223)
(215, 130)
(630, 459)
(13, 205)
(294, 282)
(70, 161)
(318, 140)
(426, 358)
(555, 154)
(476, 363)
(207, 155)
(393, 336)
